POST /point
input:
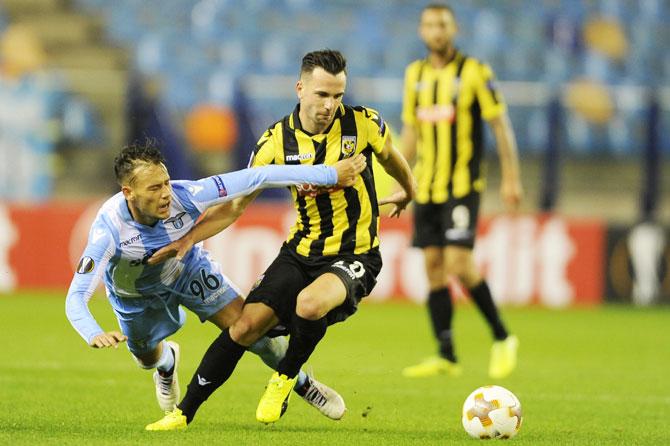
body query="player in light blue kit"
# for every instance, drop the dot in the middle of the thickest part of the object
(150, 212)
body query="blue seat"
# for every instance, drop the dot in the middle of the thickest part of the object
(523, 40)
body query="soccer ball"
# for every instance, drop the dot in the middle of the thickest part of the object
(492, 412)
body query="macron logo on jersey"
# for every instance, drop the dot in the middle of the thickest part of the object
(220, 186)
(299, 157)
(131, 240)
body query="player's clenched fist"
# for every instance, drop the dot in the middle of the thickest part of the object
(348, 170)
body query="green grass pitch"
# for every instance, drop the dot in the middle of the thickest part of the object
(585, 377)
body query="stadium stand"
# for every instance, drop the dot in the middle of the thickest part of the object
(210, 51)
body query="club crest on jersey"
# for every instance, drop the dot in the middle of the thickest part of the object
(177, 220)
(86, 265)
(348, 145)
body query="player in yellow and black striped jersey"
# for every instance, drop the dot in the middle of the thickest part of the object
(342, 221)
(447, 97)
(330, 259)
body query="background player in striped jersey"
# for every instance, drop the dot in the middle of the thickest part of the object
(148, 213)
(330, 260)
(447, 95)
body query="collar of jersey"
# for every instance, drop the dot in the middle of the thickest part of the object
(127, 216)
(457, 53)
(294, 120)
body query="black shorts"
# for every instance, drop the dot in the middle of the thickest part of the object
(290, 273)
(451, 223)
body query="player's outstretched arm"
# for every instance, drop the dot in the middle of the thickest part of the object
(246, 181)
(396, 165)
(92, 265)
(245, 185)
(214, 220)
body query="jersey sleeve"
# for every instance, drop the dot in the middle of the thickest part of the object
(487, 92)
(409, 97)
(264, 152)
(217, 189)
(92, 265)
(377, 130)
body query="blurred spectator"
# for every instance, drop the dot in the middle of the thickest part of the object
(35, 115)
(147, 118)
(606, 36)
(591, 100)
(211, 128)
(611, 42)
(28, 128)
(211, 131)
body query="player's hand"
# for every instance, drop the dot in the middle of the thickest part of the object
(177, 249)
(348, 170)
(511, 192)
(399, 200)
(109, 339)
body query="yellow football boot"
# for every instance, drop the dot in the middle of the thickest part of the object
(171, 421)
(503, 357)
(435, 365)
(274, 401)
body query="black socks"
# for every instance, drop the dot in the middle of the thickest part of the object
(441, 312)
(305, 335)
(215, 368)
(482, 297)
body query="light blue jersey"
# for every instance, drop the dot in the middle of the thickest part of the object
(118, 249)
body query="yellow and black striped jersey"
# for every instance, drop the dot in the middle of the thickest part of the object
(334, 221)
(446, 106)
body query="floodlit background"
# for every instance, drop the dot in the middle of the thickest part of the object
(587, 85)
(210, 75)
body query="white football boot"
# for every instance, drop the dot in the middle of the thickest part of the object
(323, 398)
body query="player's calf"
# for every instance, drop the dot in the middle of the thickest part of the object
(167, 382)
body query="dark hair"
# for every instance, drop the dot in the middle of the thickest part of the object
(131, 155)
(440, 6)
(330, 60)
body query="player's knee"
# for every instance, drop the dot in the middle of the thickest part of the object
(435, 273)
(465, 273)
(436, 279)
(433, 267)
(244, 331)
(309, 306)
(455, 266)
